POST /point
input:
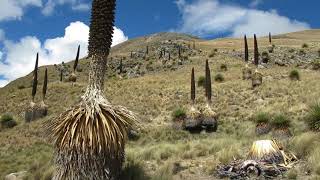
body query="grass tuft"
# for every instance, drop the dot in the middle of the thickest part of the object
(262, 117)
(294, 75)
(219, 77)
(313, 117)
(179, 113)
(7, 121)
(201, 81)
(280, 121)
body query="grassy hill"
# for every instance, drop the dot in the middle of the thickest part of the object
(162, 152)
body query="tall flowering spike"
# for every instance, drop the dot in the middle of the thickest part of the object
(45, 84)
(256, 51)
(246, 50)
(35, 78)
(147, 50)
(193, 87)
(101, 26)
(89, 138)
(77, 60)
(194, 44)
(179, 51)
(61, 75)
(270, 38)
(208, 83)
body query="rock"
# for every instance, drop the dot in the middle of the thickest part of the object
(16, 176)
(279, 62)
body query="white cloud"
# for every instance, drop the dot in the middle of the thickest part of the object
(76, 5)
(14, 9)
(3, 83)
(19, 57)
(210, 17)
(255, 3)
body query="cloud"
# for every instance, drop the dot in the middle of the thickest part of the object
(255, 3)
(19, 57)
(14, 9)
(210, 17)
(76, 5)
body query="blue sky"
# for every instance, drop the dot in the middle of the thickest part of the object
(55, 27)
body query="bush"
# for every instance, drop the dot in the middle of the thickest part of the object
(305, 45)
(212, 54)
(219, 78)
(262, 117)
(316, 64)
(202, 81)
(313, 118)
(179, 113)
(292, 174)
(280, 121)
(294, 75)
(302, 52)
(291, 50)
(7, 121)
(265, 57)
(223, 67)
(21, 87)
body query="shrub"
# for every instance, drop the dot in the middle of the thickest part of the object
(294, 75)
(305, 45)
(318, 52)
(265, 57)
(179, 113)
(315, 64)
(219, 78)
(262, 117)
(7, 121)
(280, 121)
(291, 50)
(201, 81)
(21, 87)
(292, 174)
(313, 118)
(302, 52)
(212, 54)
(223, 67)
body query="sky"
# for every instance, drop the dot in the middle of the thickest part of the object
(55, 28)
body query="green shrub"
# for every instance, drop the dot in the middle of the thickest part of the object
(313, 117)
(201, 81)
(302, 52)
(291, 50)
(305, 45)
(262, 117)
(212, 54)
(265, 57)
(318, 52)
(223, 67)
(292, 174)
(280, 121)
(21, 87)
(219, 78)
(7, 121)
(294, 75)
(179, 113)
(315, 64)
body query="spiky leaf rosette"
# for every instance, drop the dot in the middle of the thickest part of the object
(208, 83)
(246, 50)
(193, 87)
(45, 84)
(35, 78)
(256, 51)
(89, 138)
(77, 60)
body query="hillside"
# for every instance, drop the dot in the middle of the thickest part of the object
(154, 87)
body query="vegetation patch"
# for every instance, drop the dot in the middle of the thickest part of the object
(201, 81)
(313, 117)
(280, 121)
(294, 75)
(7, 121)
(219, 77)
